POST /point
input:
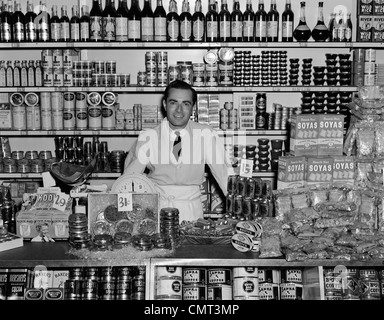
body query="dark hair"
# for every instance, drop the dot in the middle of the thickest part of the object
(180, 84)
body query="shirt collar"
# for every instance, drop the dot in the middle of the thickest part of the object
(183, 131)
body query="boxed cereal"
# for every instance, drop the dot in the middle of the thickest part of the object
(378, 29)
(365, 7)
(304, 135)
(344, 170)
(331, 131)
(378, 7)
(291, 172)
(319, 170)
(364, 30)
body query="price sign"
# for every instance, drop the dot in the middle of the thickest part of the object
(44, 201)
(246, 167)
(60, 201)
(124, 202)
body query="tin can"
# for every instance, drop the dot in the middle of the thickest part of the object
(351, 289)
(198, 78)
(269, 291)
(169, 271)
(125, 80)
(232, 184)
(138, 284)
(151, 79)
(98, 67)
(72, 289)
(238, 205)
(47, 58)
(245, 288)
(250, 188)
(219, 276)
(229, 203)
(110, 67)
(195, 292)
(219, 292)
(194, 276)
(369, 285)
(107, 289)
(94, 117)
(292, 276)
(333, 295)
(291, 291)
(247, 207)
(169, 287)
(332, 281)
(173, 73)
(90, 289)
(241, 185)
(141, 78)
(108, 120)
(19, 117)
(57, 119)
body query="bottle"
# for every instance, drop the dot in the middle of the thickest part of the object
(24, 73)
(147, 22)
(287, 18)
(109, 21)
(44, 23)
(248, 23)
(9, 74)
(38, 74)
(17, 73)
(331, 28)
(348, 29)
(224, 23)
(96, 22)
(6, 24)
(31, 73)
(18, 24)
(160, 22)
(261, 23)
(198, 23)
(340, 27)
(3, 74)
(134, 22)
(273, 23)
(236, 22)
(55, 25)
(75, 24)
(173, 27)
(65, 34)
(122, 21)
(320, 32)
(84, 24)
(29, 24)
(212, 22)
(185, 21)
(302, 32)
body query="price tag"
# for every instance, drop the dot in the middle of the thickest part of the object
(70, 44)
(85, 89)
(303, 44)
(16, 45)
(246, 168)
(159, 89)
(21, 89)
(348, 44)
(334, 88)
(44, 201)
(23, 133)
(96, 132)
(276, 89)
(184, 44)
(107, 44)
(64, 89)
(60, 202)
(51, 133)
(295, 88)
(124, 202)
(140, 89)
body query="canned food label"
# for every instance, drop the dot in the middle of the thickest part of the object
(194, 276)
(194, 292)
(294, 275)
(220, 292)
(219, 276)
(245, 285)
(332, 283)
(291, 291)
(268, 291)
(370, 287)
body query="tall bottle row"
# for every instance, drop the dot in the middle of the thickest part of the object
(111, 24)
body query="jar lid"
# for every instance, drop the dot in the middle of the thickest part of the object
(109, 98)
(16, 99)
(211, 57)
(94, 98)
(226, 54)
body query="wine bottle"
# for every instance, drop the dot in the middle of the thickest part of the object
(287, 23)
(30, 26)
(261, 23)
(38, 74)
(160, 21)
(16, 70)
(331, 28)
(122, 21)
(348, 29)
(54, 23)
(134, 22)
(236, 22)
(273, 23)
(65, 34)
(147, 22)
(9, 73)
(320, 32)
(96, 22)
(44, 23)
(224, 23)
(6, 24)
(212, 22)
(185, 21)
(173, 27)
(18, 24)
(248, 23)
(75, 24)
(84, 24)
(109, 21)
(302, 32)
(340, 27)
(24, 73)
(3, 74)
(198, 23)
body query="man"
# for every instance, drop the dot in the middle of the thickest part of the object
(177, 177)
(43, 236)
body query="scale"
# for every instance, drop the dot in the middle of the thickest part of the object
(133, 183)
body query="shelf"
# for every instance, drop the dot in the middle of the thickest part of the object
(189, 45)
(139, 89)
(38, 175)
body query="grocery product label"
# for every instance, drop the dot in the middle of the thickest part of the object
(378, 7)
(331, 129)
(344, 170)
(319, 170)
(304, 135)
(291, 172)
(364, 31)
(365, 6)
(378, 29)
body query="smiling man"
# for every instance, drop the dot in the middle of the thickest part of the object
(176, 152)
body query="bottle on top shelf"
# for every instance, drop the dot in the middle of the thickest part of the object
(109, 21)
(198, 23)
(185, 21)
(320, 32)
(273, 23)
(84, 24)
(224, 22)
(122, 21)
(302, 32)
(18, 24)
(160, 22)
(54, 23)
(96, 22)
(65, 34)
(75, 24)
(29, 24)
(44, 23)
(261, 23)
(134, 22)
(348, 28)
(212, 22)
(6, 24)
(147, 22)
(173, 28)
(248, 23)
(236, 22)
(287, 18)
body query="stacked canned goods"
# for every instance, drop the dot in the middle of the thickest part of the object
(156, 70)
(30, 161)
(90, 284)
(219, 284)
(245, 283)
(274, 68)
(243, 69)
(199, 74)
(169, 224)
(194, 283)
(248, 233)
(74, 284)
(269, 280)
(228, 117)
(169, 283)
(291, 286)
(370, 72)
(138, 283)
(369, 284)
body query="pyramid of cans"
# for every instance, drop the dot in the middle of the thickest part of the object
(156, 70)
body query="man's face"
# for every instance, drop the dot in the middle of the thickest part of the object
(44, 230)
(179, 106)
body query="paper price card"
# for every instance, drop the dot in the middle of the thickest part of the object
(44, 201)
(124, 202)
(246, 166)
(60, 201)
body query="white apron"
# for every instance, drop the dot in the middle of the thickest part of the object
(185, 198)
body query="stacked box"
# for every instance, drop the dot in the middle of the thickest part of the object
(149, 116)
(304, 135)
(129, 123)
(202, 108)
(378, 28)
(214, 111)
(43, 279)
(291, 172)
(344, 170)
(331, 131)
(5, 112)
(59, 278)
(319, 170)
(370, 21)
(245, 103)
(17, 282)
(120, 119)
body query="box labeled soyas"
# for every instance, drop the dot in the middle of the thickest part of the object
(319, 170)
(291, 172)
(331, 130)
(304, 135)
(344, 170)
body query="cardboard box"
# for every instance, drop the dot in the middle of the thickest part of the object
(59, 278)
(3, 283)
(17, 282)
(43, 279)
(365, 7)
(378, 29)
(364, 29)
(344, 170)
(331, 134)
(5, 116)
(304, 135)
(378, 7)
(319, 170)
(291, 172)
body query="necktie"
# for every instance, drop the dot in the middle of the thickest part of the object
(177, 146)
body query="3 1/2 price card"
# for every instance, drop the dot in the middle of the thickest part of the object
(124, 202)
